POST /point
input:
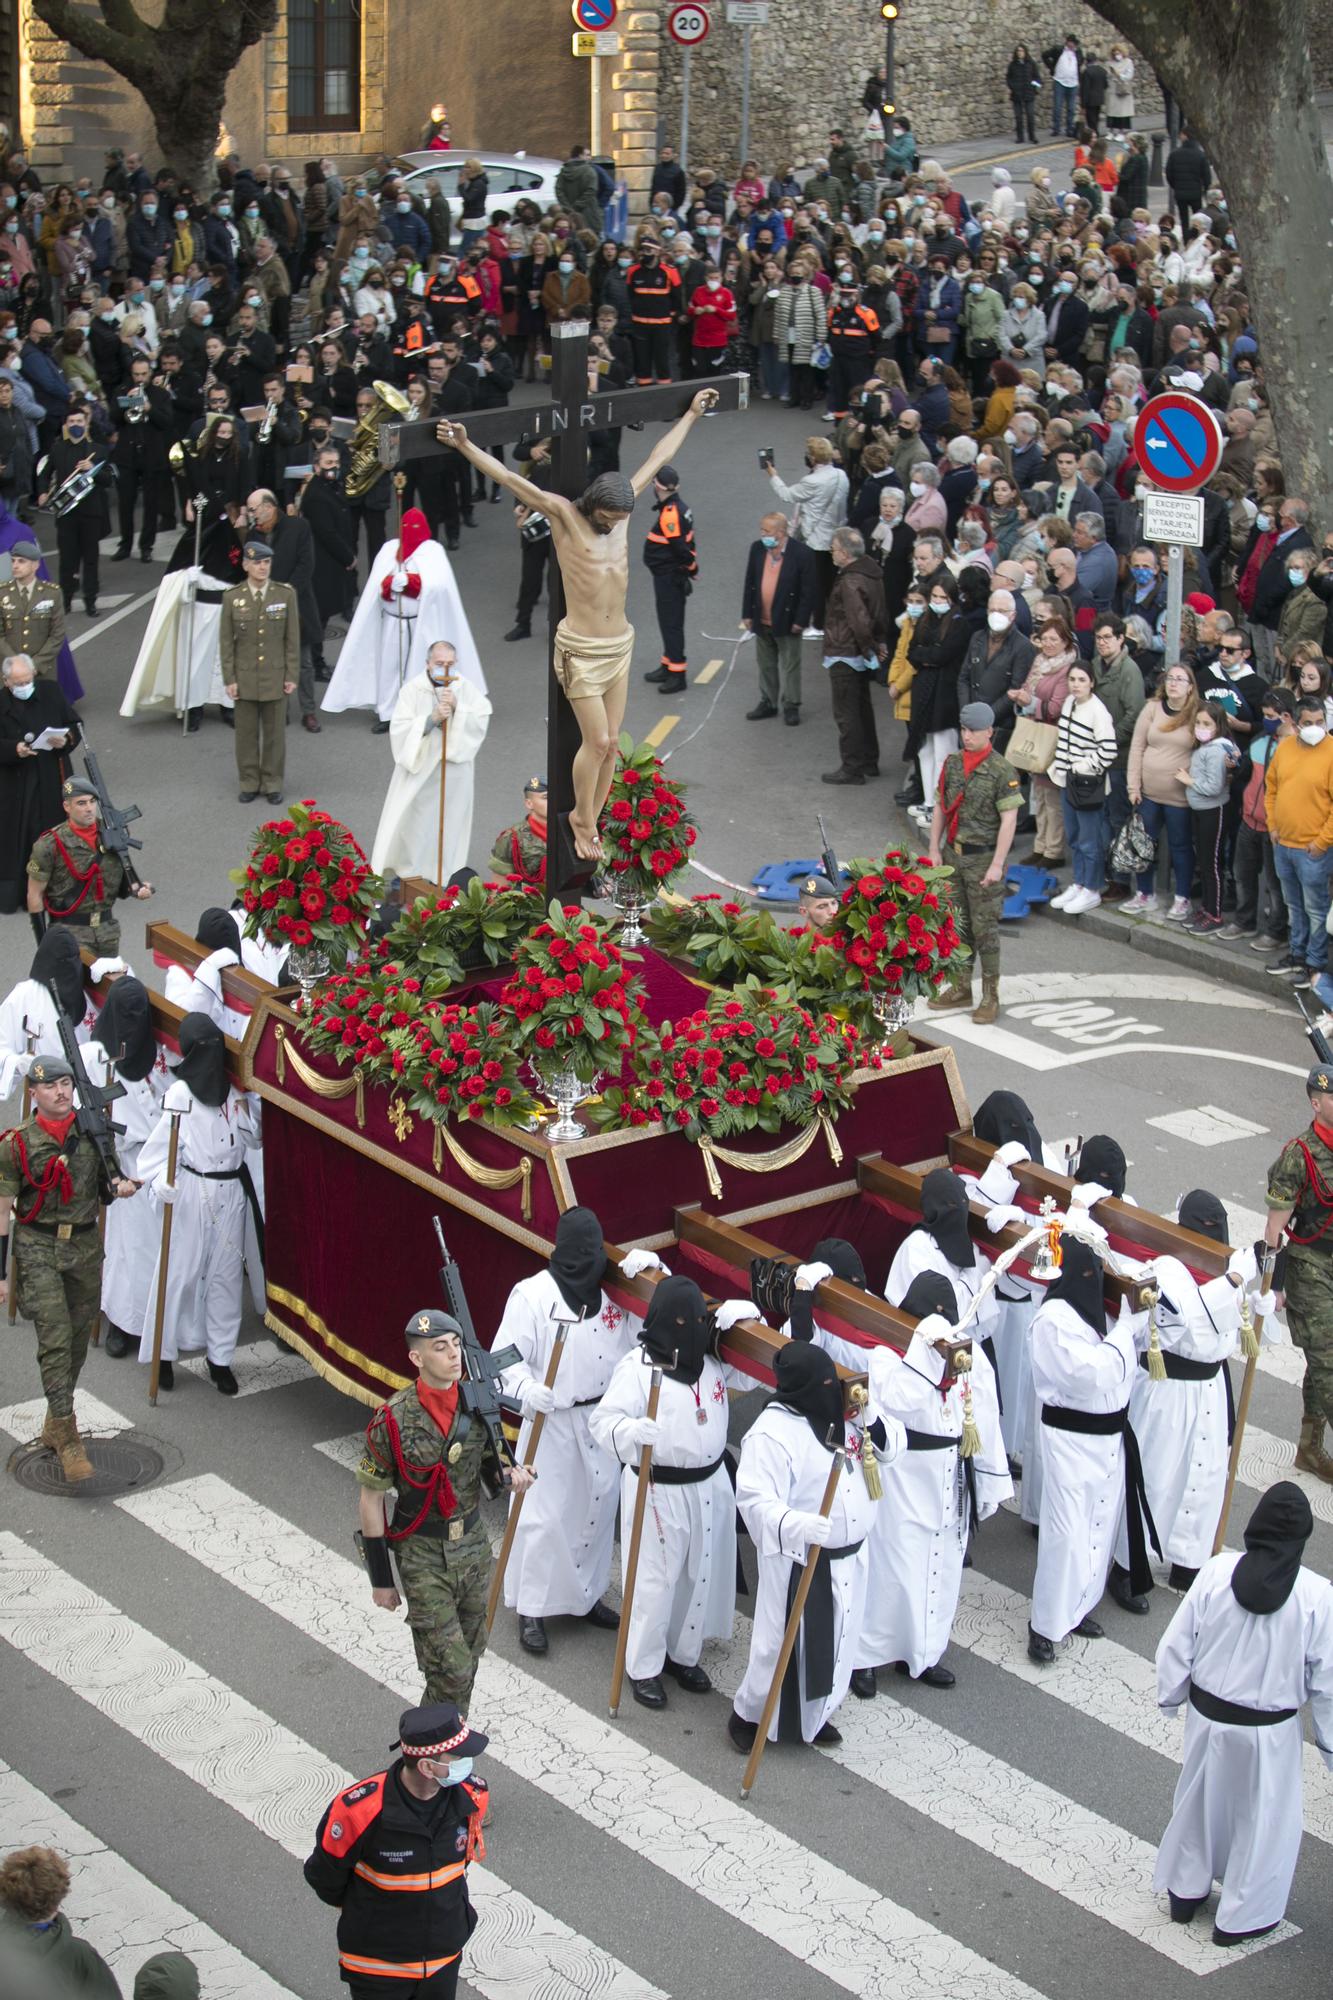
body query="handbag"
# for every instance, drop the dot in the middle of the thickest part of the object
(1085, 790)
(938, 336)
(1032, 745)
(1133, 848)
(983, 350)
(821, 354)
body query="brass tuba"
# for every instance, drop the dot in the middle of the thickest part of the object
(363, 447)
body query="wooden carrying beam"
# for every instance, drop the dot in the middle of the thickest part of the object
(242, 989)
(1152, 1233)
(867, 1312)
(901, 1188)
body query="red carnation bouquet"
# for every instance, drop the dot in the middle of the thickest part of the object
(895, 932)
(460, 1062)
(307, 883)
(646, 832)
(573, 1001)
(354, 1012)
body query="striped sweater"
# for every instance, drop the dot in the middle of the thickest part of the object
(1085, 740)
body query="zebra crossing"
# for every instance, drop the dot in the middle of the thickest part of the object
(683, 1830)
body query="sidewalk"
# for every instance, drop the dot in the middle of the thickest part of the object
(1233, 963)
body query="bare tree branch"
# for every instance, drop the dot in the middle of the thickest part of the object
(92, 37)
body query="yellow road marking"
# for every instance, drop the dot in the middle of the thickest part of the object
(705, 674)
(659, 732)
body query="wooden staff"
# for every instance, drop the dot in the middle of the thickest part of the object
(1247, 1385)
(164, 1257)
(516, 1501)
(793, 1627)
(444, 757)
(636, 1536)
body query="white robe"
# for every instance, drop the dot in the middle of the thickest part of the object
(212, 1235)
(1237, 1815)
(561, 1559)
(1083, 1485)
(408, 832)
(28, 1030)
(920, 1252)
(685, 1586)
(783, 1471)
(920, 1533)
(367, 673)
(178, 665)
(200, 992)
(1182, 1426)
(133, 1226)
(1017, 1298)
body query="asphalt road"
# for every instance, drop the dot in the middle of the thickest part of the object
(190, 1674)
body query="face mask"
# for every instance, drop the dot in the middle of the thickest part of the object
(151, 210)
(252, 215)
(916, 490)
(875, 236)
(669, 234)
(156, 284)
(22, 693)
(459, 1771)
(181, 214)
(976, 290)
(1271, 724)
(846, 277)
(939, 605)
(1312, 734)
(1020, 236)
(1263, 522)
(915, 610)
(1296, 578)
(682, 256)
(769, 541)
(623, 262)
(1043, 544)
(206, 319)
(789, 213)
(1203, 733)
(1011, 437)
(76, 427)
(1143, 576)
(107, 319)
(109, 204)
(998, 621)
(908, 241)
(253, 301)
(1036, 274)
(566, 265)
(715, 284)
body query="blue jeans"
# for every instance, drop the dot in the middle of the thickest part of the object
(1064, 101)
(773, 370)
(1180, 839)
(1305, 893)
(1085, 835)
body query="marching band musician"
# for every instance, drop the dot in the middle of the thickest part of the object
(144, 429)
(84, 503)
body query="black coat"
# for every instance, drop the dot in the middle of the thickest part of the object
(144, 444)
(1188, 172)
(937, 651)
(984, 678)
(325, 510)
(1019, 78)
(294, 562)
(1132, 186)
(896, 563)
(29, 786)
(1272, 588)
(794, 598)
(61, 461)
(1071, 326)
(1093, 83)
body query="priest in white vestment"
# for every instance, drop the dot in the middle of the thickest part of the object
(410, 598)
(437, 712)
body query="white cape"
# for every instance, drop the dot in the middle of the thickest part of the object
(177, 665)
(406, 837)
(368, 671)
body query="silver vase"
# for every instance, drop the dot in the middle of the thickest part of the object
(566, 1093)
(308, 965)
(631, 902)
(892, 1014)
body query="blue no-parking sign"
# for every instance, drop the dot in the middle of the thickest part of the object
(1177, 442)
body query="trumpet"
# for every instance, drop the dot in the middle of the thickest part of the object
(180, 452)
(363, 466)
(270, 418)
(136, 406)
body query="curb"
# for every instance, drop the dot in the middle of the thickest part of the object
(1161, 941)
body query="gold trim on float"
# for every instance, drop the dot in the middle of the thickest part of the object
(330, 1339)
(285, 1051)
(497, 1178)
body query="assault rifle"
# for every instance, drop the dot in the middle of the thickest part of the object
(91, 1121)
(1315, 1035)
(115, 821)
(477, 1393)
(829, 858)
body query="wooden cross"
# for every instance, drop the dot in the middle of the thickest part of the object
(566, 420)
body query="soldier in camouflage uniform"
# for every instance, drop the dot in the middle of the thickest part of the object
(521, 850)
(50, 1188)
(74, 880)
(1300, 1202)
(421, 1444)
(972, 829)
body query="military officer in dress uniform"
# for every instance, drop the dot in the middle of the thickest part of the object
(50, 1191)
(32, 618)
(420, 1443)
(1300, 1205)
(976, 812)
(260, 642)
(521, 850)
(73, 879)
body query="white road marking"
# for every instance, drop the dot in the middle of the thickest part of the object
(101, 625)
(121, 1913)
(1181, 989)
(1207, 1125)
(345, 1451)
(96, 1419)
(257, 1365)
(1014, 1048)
(269, 1776)
(711, 1844)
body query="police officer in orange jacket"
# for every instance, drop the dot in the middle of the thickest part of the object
(654, 306)
(670, 554)
(853, 340)
(391, 1855)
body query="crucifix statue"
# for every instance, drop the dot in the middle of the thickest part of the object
(591, 638)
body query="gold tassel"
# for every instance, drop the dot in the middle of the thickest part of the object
(1249, 1335)
(858, 1396)
(1156, 1365)
(969, 1444)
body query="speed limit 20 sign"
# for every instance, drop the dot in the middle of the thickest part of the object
(688, 25)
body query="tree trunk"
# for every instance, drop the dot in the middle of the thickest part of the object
(1241, 72)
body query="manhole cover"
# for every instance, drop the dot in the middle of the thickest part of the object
(119, 1465)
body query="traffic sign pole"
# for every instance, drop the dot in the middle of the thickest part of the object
(746, 33)
(1175, 598)
(686, 60)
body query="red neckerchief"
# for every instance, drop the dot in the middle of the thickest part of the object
(55, 1179)
(431, 1481)
(537, 827)
(58, 1128)
(1323, 1132)
(439, 1404)
(85, 833)
(972, 761)
(91, 877)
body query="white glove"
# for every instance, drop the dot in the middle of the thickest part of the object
(1088, 1193)
(1012, 1152)
(166, 1194)
(996, 1218)
(810, 1275)
(635, 1262)
(732, 1311)
(813, 1529)
(534, 1396)
(1245, 1264)
(177, 1097)
(645, 1430)
(397, 584)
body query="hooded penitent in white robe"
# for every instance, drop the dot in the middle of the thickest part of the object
(133, 1226)
(177, 665)
(1237, 1814)
(212, 1235)
(685, 1586)
(389, 638)
(406, 839)
(560, 1562)
(920, 1532)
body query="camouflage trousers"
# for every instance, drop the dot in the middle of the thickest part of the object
(976, 909)
(60, 1291)
(1310, 1318)
(445, 1584)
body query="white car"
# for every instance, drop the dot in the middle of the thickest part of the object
(510, 177)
